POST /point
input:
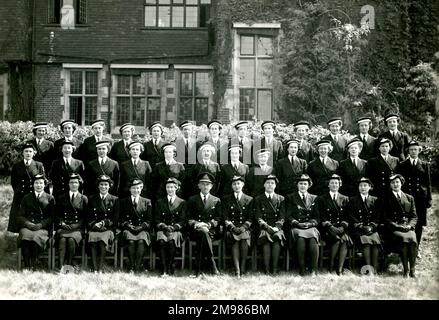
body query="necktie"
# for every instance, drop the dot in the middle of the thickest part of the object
(323, 161)
(354, 162)
(235, 166)
(413, 163)
(27, 163)
(135, 163)
(363, 138)
(170, 202)
(39, 141)
(38, 196)
(236, 196)
(204, 200)
(134, 202)
(73, 197)
(399, 198)
(336, 139)
(303, 198)
(333, 198)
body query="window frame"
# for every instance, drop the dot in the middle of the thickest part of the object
(55, 19)
(194, 96)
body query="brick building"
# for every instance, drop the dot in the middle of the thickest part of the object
(138, 61)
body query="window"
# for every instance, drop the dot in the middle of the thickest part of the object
(79, 6)
(255, 78)
(138, 98)
(194, 96)
(177, 13)
(83, 97)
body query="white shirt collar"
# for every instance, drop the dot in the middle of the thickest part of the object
(415, 160)
(168, 162)
(72, 193)
(383, 156)
(171, 198)
(363, 135)
(323, 159)
(135, 198)
(233, 163)
(103, 159)
(67, 159)
(36, 193)
(30, 161)
(207, 162)
(363, 197)
(394, 131)
(239, 195)
(101, 195)
(204, 196)
(334, 136)
(397, 193)
(333, 193)
(269, 195)
(302, 194)
(135, 160)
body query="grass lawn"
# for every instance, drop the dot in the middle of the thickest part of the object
(118, 285)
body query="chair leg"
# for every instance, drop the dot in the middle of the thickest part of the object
(151, 258)
(19, 258)
(115, 254)
(121, 258)
(190, 255)
(254, 258)
(51, 255)
(183, 251)
(320, 257)
(83, 256)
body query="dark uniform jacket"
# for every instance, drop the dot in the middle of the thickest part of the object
(246, 145)
(417, 184)
(153, 154)
(239, 213)
(339, 152)
(170, 216)
(107, 211)
(119, 153)
(255, 180)
(299, 211)
(273, 213)
(379, 171)
(227, 173)
(287, 172)
(320, 174)
(400, 143)
(87, 150)
(370, 148)
(332, 212)
(162, 172)
(45, 152)
(396, 213)
(135, 218)
(209, 213)
(306, 151)
(363, 214)
(94, 170)
(37, 210)
(60, 172)
(71, 213)
(142, 172)
(57, 147)
(213, 168)
(276, 148)
(350, 174)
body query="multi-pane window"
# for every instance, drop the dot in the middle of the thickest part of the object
(83, 96)
(194, 96)
(177, 13)
(79, 6)
(138, 98)
(255, 79)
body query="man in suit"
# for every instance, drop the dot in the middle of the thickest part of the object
(399, 139)
(418, 184)
(63, 167)
(103, 165)
(153, 148)
(306, 150)
(68, 127)
(186, 145)
(219, 143)
(370, 149)
(120, 151)
(204, 219)
(234, 168)
(257, 173)
(244, 142)
(322, 168)
(379, 169)
(267, 141)
(205, 164)
(352, 169)
(338, 141)
(44, 147)
(87, 150)
(288, 169)
(135, 168)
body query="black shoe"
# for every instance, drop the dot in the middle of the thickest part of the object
(412, 274)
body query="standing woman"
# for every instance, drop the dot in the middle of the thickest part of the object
(399, 139)
(169, 215)
(352, 168)
(135, 221)
(43, 146)
(152, 150)
(35, 221)
(68, 127)
(102, 211)
(304, 221)
(22, 176)
(306, 150)
(237, 215)
(337, 141)
(331, 207)
(257, 173)
(400, 217)
(87, 150)
(363, 210)
(120, 151)
(69, 219)
(269, 214)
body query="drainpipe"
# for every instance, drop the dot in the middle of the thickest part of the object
(110, 85)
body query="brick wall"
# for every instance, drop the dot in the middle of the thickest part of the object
(47, 84)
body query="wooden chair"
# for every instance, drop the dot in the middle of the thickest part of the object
(47, 254)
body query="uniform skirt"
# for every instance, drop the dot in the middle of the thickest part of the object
(176, 236)
(232, 238)
(343, 238)
(372, 239)
(265, 237)
(75, 235)
(142, 235)
(106, 236)
(306, 233)
(40, 237)
(405, 237)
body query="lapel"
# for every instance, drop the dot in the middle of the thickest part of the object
(385, 162)
(275, 200)
(322, 166)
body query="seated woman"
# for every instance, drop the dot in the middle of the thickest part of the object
(269, 213)
(35, 219)
(331, 208)
(102, 213)
(364, 220)
(69, 219)
(237, 215)
(304, 221)
(135, 220)
(400, 217)
(169, 216)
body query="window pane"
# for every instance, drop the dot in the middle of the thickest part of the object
(153, 113)
(150, 1)
(191, 17)
(265, 68)
(264, 104)
(138, 112)
(123, 84)
(201, 110)
(247, 72)
(91, 109)
(122, 110)
(178, 16)
(265, 46)
(164, 16)
(177, 1)
(153, 79)
(185, 110)
(202, 84)
(191, 2)
(246, 104)
(205, 1)
(186, 84)
(247, 45)
(138, 85)
(164, 1)
(91, 82)
(150, 18)
(76, 109)
(75, 82)
(82, 11)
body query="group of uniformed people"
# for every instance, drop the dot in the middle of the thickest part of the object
(368, 191)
